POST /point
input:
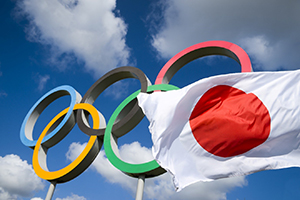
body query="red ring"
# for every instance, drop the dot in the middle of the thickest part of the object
(200, 50)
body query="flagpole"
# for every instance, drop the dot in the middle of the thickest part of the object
(140, 188)
(50, 191)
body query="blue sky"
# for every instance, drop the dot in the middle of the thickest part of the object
(48, 43)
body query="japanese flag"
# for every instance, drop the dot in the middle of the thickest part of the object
(226, 126)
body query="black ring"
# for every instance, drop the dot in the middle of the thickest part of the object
(129, 117)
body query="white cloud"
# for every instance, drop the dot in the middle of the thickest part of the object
(17, 178)
(101, 165)
(4, 195)
(41, 81)
(84, 30)
(73, 197)
(161, 187)
(215, 190)
(268, 30)
(36, 198)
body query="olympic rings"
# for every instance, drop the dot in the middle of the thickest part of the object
(59, 132)
(200, 50)
(80, 163)
(148, 169)
(127, 115)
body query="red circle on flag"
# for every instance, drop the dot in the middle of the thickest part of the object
(227, 121)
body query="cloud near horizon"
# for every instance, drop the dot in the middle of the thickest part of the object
(72, 197)
(17, 178)
(161, 187)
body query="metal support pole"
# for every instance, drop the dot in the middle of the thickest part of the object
(140, 188)
(50, 191)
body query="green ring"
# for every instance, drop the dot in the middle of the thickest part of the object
(128, 168)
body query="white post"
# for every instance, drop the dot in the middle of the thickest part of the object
(140, 188)
(50, 191)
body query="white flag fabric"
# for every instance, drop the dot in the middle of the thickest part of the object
(226, 125)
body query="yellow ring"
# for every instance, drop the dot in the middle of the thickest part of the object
(80, 163)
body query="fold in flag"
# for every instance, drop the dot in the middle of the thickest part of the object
(226, 125)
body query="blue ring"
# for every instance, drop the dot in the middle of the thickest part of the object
(41, 104)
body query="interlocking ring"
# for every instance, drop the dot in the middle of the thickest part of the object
(130, 116)
(149, 169)
(200, 50)
(82, 162)
(61, 130)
